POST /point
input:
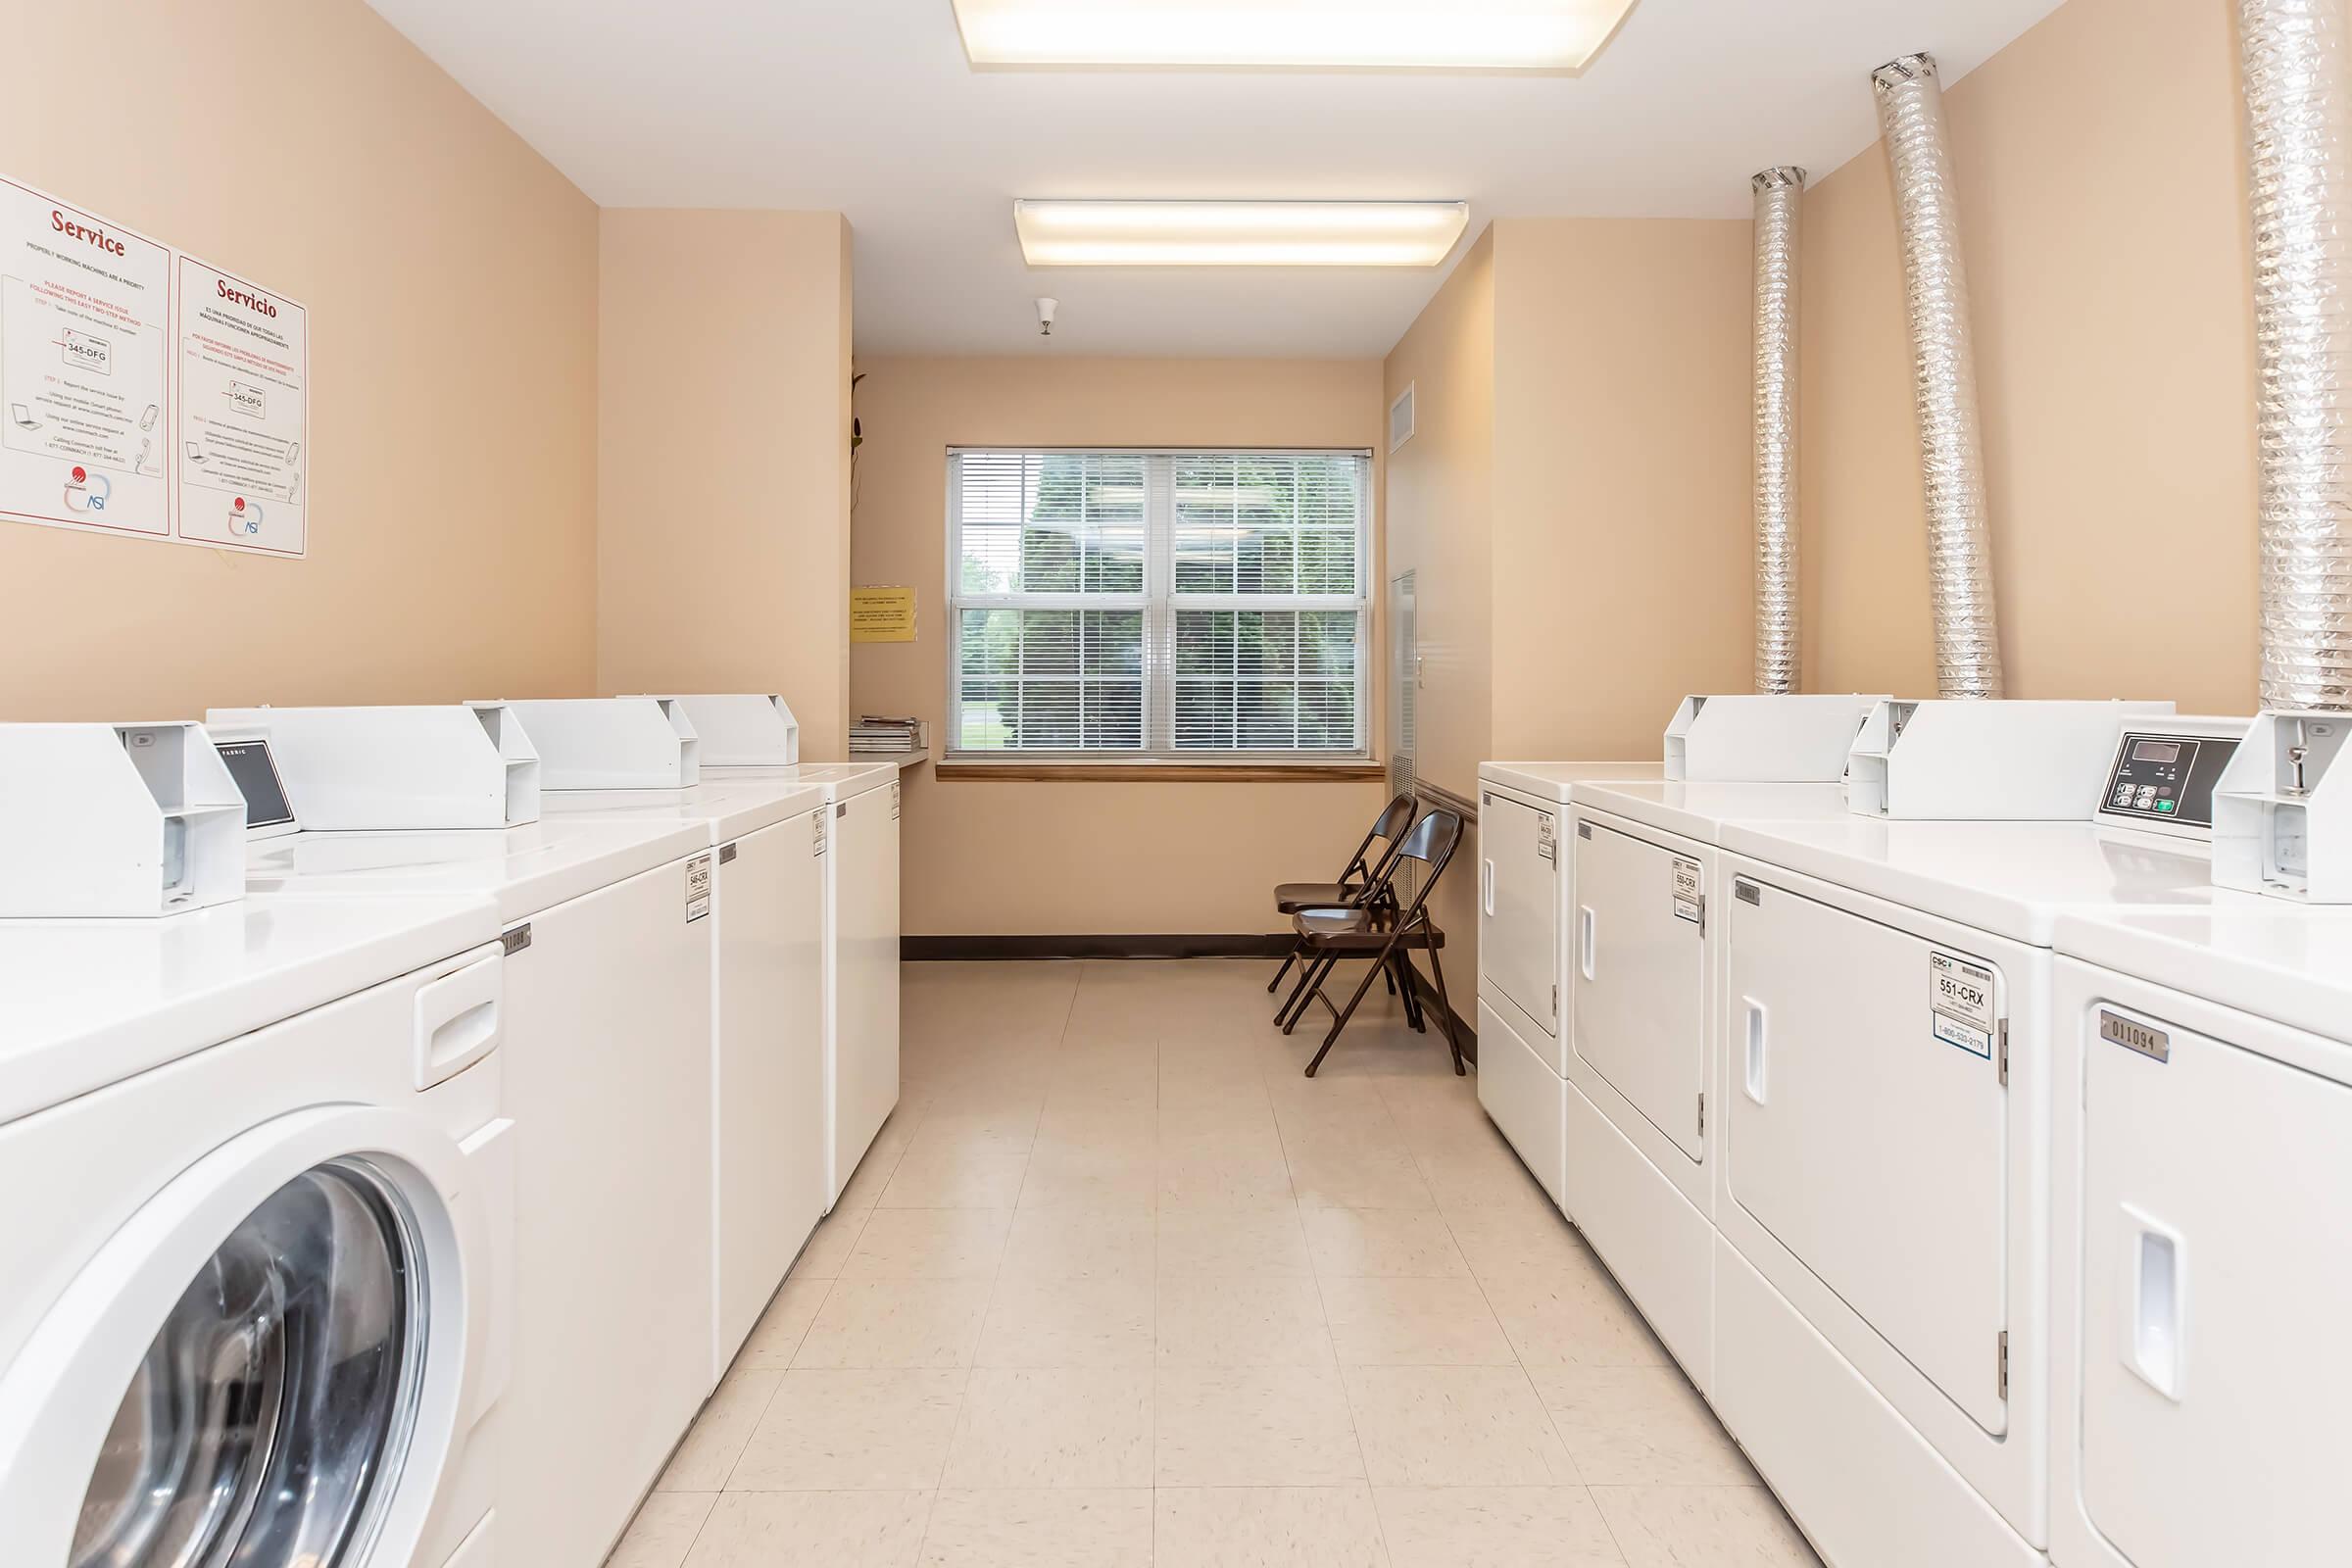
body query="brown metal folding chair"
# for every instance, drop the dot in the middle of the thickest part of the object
(1384, 931)
(1361, 877)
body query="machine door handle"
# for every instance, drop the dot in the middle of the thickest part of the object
(1487, 887)
(1752, 1079)
(2155, 1304)
(457, 1021)
(1585, 939)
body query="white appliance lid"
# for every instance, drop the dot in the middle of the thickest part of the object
(2290, 965)
(1557, 781)
(841, 781)
(2008, 878)
(1699, 811)
(730, 806)
(84, 1004)
(523, 869)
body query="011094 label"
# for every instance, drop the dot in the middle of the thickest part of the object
(1960, 1004)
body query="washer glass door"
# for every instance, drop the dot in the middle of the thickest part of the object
(263, 1424)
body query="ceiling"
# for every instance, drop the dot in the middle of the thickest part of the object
(868, 107)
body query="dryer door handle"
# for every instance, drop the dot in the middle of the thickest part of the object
(458, 1020)
(2155, 1302)
(1759, 1036)
(1485, 890)
(1587, 939)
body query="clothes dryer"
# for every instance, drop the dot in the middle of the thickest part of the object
(2202, 1193)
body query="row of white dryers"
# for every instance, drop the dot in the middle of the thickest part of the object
(1990, 1179)
(408, 1194)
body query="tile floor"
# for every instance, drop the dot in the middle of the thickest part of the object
(1117, 1285)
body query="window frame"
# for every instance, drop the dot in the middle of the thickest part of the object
(1158, 757)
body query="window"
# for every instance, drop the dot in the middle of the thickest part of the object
(1168, 606)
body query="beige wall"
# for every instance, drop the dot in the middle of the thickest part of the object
(1440, 526)
(2103, 213)
(722, 482)
(1574, 504)
(449, 277)
(1083, 858)
(1623, 559)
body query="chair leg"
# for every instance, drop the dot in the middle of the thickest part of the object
(1389, 975)
(1453, 1041)
(1308, 963)
(1275, 984)
(1403, 987)
(1310, 986)
(1340, 1019)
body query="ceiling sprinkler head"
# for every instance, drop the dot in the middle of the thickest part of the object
(1045, 316)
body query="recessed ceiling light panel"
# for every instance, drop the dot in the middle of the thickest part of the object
(1529, 35)
(1113, 233)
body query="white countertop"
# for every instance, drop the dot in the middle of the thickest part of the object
(2281, 961)
(1700, 811)
(730, 806)
(523, 869)
(1557, 781)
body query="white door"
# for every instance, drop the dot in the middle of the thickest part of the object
(866, 846)
(1638, 969)
(769, 1096)
(1869, 1128)
(1519, 910)
(2217, 1293)
(607, 1077)
(265, 1364)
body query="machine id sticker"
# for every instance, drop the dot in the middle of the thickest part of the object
(2118, 1030)
(1960, 1004)
(1547, 843)
(816, 837)
(1687, 905)
(894, 803)
(698, 888)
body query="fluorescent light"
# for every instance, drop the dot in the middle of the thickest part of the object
(1056, 233)
(1532, 36)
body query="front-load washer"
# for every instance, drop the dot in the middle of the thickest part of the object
(257, 1235)
(861, 861)
(1883, 1167)
(1643, 1046)
(2202, 1193)
(767, 1082)
(606, 932)
(1523, 901)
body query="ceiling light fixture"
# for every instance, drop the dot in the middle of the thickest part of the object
(1553, 36)
(1132, 234)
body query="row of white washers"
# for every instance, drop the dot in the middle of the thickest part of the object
(1980, 1173)
(531, 1048)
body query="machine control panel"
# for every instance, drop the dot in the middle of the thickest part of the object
(2166, 779)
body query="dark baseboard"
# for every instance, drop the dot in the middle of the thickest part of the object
(1242, 945)
(932, 950)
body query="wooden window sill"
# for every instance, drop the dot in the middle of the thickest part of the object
(1161, 772)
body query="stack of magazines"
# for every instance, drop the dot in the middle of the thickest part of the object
(871, 736)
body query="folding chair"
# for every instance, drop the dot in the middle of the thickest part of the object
(1381, 929)
(1360, 878)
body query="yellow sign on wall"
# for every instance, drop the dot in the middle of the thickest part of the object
(881, 614)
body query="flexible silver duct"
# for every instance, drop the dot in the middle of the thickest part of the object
(1780, 201)
(1968, 645)
(2301, 188)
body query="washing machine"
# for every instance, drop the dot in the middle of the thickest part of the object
(1523, 899)
(768, 906)
(259, 1241)
(1643, 1084)
(606, 933)
(860, 864)
(2202, 1198)
(1884, 1167)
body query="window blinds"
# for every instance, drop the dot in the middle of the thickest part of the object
(1159, 606)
